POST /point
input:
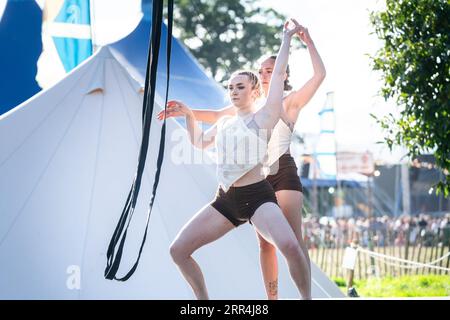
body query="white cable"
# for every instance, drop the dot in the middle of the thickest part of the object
(380, 256)
(403, 260)
(409, 267)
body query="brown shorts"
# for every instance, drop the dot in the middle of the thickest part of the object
(286, 177)
(239, 204)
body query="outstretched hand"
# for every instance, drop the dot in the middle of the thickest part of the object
(174, 109)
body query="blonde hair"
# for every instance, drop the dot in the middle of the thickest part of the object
(252, 77)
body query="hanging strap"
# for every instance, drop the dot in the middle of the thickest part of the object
(114, 256)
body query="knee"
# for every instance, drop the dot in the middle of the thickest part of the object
(178, 252)
(290, 248)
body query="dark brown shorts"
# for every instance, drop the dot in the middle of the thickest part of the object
(239, 204)
(286, 178)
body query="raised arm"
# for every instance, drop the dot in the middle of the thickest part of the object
(297, 99)
(269, 114)
(199, 138)
(203, 115)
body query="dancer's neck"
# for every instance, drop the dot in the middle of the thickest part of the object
(245, 111)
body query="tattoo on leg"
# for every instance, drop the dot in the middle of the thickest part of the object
(273, 287)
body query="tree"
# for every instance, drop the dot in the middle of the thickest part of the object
(227, 35)
(414, 65)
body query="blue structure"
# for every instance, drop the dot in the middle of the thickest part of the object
(20, 41)
(73, 51)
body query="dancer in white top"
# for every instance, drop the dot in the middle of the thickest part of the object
(284, 177)
(246, 196)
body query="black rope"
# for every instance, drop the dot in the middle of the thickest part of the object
(114, 257)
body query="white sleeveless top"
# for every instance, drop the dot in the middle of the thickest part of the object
(279, 142)
(239, 149)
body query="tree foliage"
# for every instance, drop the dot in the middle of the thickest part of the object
(414, 65)
(227, 35)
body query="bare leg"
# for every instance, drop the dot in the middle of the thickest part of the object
(271, 224)
(269, 267)
(206, 226)
(291, 203)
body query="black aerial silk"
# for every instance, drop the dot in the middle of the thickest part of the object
(114, 253)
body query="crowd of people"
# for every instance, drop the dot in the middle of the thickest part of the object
(382, 231)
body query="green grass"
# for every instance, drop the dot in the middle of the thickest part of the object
(404, 286)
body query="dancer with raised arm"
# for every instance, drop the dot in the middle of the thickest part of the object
(243, 194)
(283, 174)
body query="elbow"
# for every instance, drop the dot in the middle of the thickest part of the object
(201, 143)
(320, 76)
(194, 144)
(280, 68)
(278, 76)
(197, 144)
(280, 72)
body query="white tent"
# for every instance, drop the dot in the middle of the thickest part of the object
(67, 159)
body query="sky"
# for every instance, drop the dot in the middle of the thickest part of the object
(341, 32)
